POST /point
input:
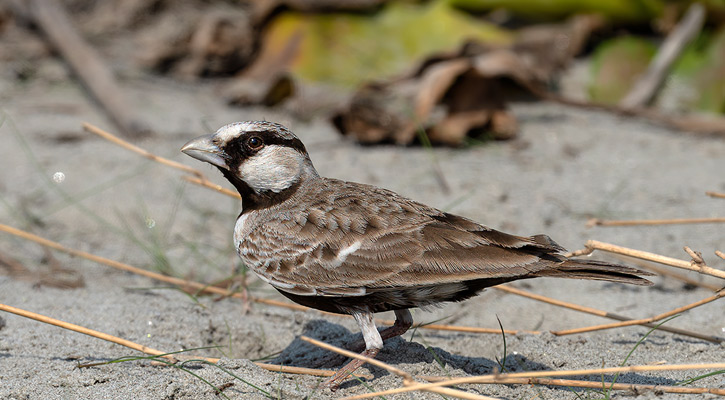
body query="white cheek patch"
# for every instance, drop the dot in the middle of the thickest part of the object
(274, 168)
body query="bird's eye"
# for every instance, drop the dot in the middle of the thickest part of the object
(255, 143)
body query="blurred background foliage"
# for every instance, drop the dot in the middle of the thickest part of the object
(376, 66)
(349, 49)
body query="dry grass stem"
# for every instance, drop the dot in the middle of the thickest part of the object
(601, 313)
(666, 272)
(407, 378)
(111, 263)
(660, 317)
(86, 331)
(148, 350)
(720, 254)
(199, 178)
(213, 186)
(277, 303)
(716, 195)
(297, 370)
(458, 328)
(637, 388)
(128, 146)
(494, 378)
(347, 353)
(592, 245)
(675, 221)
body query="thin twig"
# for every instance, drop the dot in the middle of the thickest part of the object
(633, 222)
(647, 85)
(407, 378)
(696, 256)
(109, 262)
(634, 387)
(492, 378)
(299, 370)
(89, 332)
(213, 186)
(459, 328)
(649, 320)
(716, 195)
(600, 313)
(148, 350)
(347, 353)
(199, 178)
(668, 273)
(575, 383)
(128, 146)
(592, 245)
(86, 63)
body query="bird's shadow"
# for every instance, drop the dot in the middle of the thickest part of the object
(398, 352)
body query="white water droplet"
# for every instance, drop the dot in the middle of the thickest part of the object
(150, 223)
(58, 177)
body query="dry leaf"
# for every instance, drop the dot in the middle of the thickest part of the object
(463, 94)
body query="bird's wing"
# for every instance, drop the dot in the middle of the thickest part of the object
(354, 238)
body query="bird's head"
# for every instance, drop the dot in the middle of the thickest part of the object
(263, 160)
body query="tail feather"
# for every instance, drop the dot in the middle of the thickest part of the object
(597, 270)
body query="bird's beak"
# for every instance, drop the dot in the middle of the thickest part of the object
(204, 149)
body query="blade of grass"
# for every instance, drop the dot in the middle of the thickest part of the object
(502, 362)
(640, 341)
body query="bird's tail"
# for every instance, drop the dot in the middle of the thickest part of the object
(597, 270)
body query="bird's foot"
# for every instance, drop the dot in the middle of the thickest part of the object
(334, 381)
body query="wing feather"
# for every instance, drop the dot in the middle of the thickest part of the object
(354, 238)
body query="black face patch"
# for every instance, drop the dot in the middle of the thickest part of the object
(242, 147)
(249, 143)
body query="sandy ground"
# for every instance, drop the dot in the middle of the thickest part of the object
(566, 166)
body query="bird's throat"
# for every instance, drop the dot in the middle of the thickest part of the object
(253, 200)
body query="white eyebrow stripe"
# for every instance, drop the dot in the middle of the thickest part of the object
(231, 131)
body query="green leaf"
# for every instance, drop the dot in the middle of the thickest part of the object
(347, 49)
(698, 78)
(616, 65)
(615, 10)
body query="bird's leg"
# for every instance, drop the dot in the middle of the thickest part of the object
(373, 344)
(403, 322)
(373, 341)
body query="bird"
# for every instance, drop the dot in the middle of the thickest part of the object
(357, 249)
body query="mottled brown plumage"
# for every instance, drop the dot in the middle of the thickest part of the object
(357, 249)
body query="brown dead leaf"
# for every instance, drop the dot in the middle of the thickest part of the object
(189, 42)
(455, 95)
(267, 80)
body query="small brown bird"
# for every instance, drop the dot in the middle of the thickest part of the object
(357, 249)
